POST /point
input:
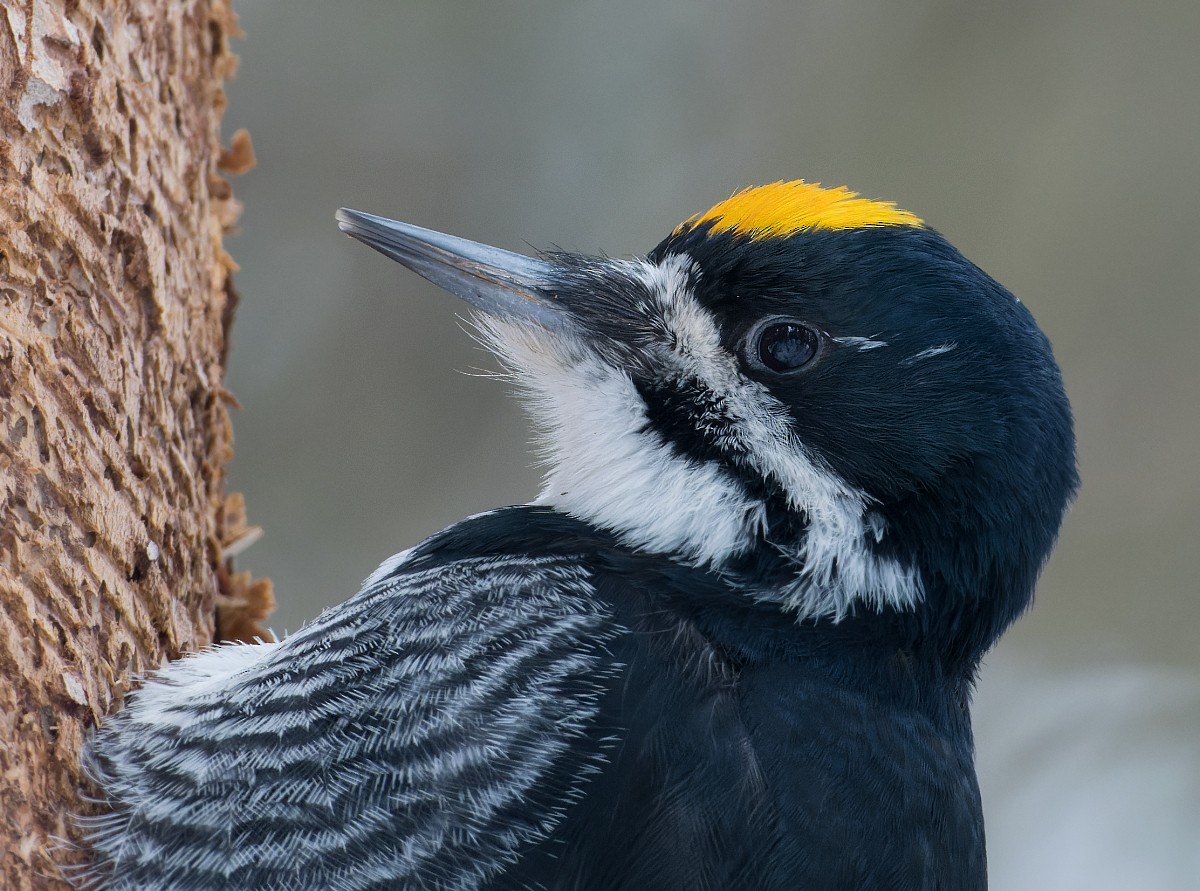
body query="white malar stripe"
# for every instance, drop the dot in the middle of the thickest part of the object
(839, 572)
(607, 467)
(838, 569)
(763, 429)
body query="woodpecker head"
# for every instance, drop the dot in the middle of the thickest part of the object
(808, 391)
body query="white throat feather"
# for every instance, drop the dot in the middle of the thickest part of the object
(608, 466)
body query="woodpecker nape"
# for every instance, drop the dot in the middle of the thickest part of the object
(806, 462)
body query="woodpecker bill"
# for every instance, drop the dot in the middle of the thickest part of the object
(805, 463)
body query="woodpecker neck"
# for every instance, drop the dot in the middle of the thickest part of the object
(611, 469)
(979, 555)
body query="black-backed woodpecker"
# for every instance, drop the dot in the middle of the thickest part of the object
(806, 462)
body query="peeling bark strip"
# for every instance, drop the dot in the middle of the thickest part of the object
(115, 300)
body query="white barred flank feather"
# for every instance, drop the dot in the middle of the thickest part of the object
(396, 738)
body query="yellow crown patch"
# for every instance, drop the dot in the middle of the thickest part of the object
(785, 208)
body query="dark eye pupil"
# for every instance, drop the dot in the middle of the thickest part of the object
(786, 346)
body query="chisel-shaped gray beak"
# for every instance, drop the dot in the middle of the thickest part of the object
(496, 282)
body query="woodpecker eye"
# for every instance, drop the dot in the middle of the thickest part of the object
(784, 346)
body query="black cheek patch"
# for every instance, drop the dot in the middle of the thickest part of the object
(694, 423)
(688, 418)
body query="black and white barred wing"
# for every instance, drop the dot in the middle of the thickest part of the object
(417, 736)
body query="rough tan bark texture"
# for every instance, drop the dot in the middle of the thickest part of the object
(115, 299)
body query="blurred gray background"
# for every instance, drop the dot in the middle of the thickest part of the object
(1057, 144)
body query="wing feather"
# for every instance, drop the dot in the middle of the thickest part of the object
(420, 735)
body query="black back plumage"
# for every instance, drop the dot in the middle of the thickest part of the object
(744, 752)
(419, 735)
(589, 731)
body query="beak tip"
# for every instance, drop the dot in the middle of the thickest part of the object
(346, 219)
(492, 280)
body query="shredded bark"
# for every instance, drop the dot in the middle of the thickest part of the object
(116, 296)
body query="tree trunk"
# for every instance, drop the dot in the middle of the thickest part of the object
(115, 302)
